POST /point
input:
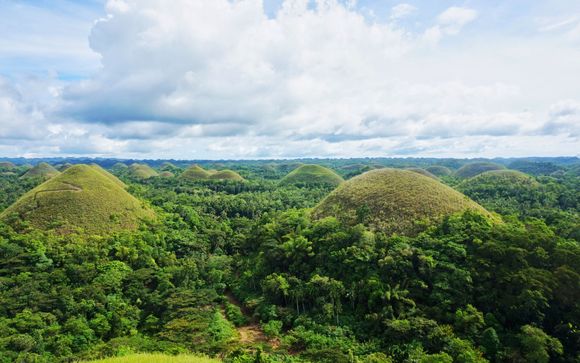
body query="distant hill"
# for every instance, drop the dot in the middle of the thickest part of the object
(7, 165)
(439, 170)
(42, 170)
(535, 167)
(83, 197)
(142, 171)
(195, 172)
(473, 169)
(226, 175)
(166, 174)
(506, 191)
(423, 172)
(393, 201)
(311, 174)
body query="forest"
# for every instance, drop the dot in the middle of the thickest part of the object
(338, 260)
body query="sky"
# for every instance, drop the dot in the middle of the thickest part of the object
(250, 79)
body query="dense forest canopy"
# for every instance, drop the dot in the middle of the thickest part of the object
(240, 269)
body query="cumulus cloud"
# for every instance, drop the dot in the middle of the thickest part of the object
(402, 10)
(224, 79)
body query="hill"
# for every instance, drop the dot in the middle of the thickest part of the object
(225, 175)
(42, 170)
(167, 166)
(422, 172)
(156, 358)
(393, 201)
(142, 171)
(6, 165)
(505, 191)
(111, 177)
(439, 170)
(82, 197)
(473, 169)
(195, 172)
(166, 174)
(311, 174)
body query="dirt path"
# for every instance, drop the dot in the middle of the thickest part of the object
(251, 333)
(71, 188)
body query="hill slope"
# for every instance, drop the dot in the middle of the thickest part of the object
(81, 197)
(42, 170)
(312, 174)
(423, 172)
(393, 200)
(473, 169)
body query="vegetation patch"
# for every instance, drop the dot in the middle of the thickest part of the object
(393, 201)
(226, 175)
(82, 198)
(311, 174)
(195, 172)
(156, 358)
(473, 169)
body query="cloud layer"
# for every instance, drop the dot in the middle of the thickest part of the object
(222, 78)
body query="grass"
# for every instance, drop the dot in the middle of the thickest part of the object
(156, 358)
(83, 197)
(42, 170)
(166, 174)
(311, 174)
(473, 169)
(142, 171)
(393, 201)
(506, 177)
(439, 170)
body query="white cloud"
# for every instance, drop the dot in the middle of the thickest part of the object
(402, 10)
(222, 79)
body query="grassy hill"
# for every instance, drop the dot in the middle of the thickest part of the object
(195, 172)
(142, 171)
(166, 174)
(393, 200)
(439, 170)
(156, 358)
(6, 165)
(42, 170)
(473, 169)
(423, 172)
(226, 175)
(111, 177)
(311, 174)
(83, 197)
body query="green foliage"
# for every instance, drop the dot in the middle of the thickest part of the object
(397, 200)
(423, 172)
(156, 358)
(312, 175)
(439, 170)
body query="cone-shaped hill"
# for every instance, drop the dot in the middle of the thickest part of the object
(226, 175)
(393, 201)
(82, 197)
(311, 174)
(42, 170)
(195, 172)
(7, 165)
(439, 170)
(473, 169)
(422, 172)
(142, 171)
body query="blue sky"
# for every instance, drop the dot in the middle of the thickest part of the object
(289, 78)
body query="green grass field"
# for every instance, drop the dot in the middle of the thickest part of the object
(142, 171)
(85, 197)
(393, 201)
(422, 172)
(439, 170)
(156, 358)
(310, 175)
